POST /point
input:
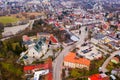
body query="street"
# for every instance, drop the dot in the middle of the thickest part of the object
(103, 68)
(57, 64)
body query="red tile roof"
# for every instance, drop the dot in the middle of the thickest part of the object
(53, 39)
(57, 24)
(50, 75)
(26, 38)
(61, 29)
(98, 77)
(39, 66)
(71, 58)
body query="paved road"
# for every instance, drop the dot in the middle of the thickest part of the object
(103, 68)
(16, 29)
(57, 64)
(31, 22)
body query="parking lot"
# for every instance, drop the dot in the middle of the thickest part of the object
(89, 51)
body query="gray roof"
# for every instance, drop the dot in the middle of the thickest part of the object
(39, 44)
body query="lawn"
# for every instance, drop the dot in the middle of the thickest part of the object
(8, 19)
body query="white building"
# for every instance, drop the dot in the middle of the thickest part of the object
(35, 52)
(39, 49)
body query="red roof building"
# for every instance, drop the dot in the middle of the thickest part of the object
(57, 24)
(72, 61)
(98, 77)
(53, 39)
(47, 65)
(35, 67)
(26, 38)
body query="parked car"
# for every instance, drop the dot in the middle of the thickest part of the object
(86, 50)
(84, 44)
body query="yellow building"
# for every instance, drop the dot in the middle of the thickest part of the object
(72, 61)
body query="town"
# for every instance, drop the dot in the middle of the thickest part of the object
(59, 40)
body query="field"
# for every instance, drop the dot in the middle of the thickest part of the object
(8, 19)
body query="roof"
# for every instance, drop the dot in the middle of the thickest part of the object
(32, 67)
(26, 38)
(115, 58)
(57, 24)
(61, 29)
(53, 39)
(46, 65)
(97, 77)
(71, 58)
(39, 44)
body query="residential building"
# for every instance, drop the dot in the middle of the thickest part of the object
(115, 60)
(32, 68)
(73, 61)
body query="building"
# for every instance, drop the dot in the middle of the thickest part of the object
(38, 74)
(39, 49)
(40, 70)
(115, 60)
(32, 68)
(35, 51)
(73, 61)
(98, 77)
(53, 39)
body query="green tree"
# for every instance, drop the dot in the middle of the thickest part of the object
(74, 73)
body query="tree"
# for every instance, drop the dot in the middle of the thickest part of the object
(32, 17)
(1, 44)
(1, 27)
(74, 73)
(89, 35)
(18, 50)
(8, 24)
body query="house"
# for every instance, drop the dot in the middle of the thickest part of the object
(50, 37)
(115, 60)
(98, 77)
(73, 61)
(40, 70)
(32, 68)
(114, 44)
(53, 39)
(42, 34)
(116, 72)
(25, 38)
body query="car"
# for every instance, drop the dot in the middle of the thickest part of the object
(86, 51)
(84, 44)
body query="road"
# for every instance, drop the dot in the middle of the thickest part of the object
(57, 64)
(103, 68)
(31, 22)
(16, 29)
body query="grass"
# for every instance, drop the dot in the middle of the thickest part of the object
(8, 19)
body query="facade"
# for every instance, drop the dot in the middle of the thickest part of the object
(32, 68)
(35, 51)
(72, 61)
(39, 49)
